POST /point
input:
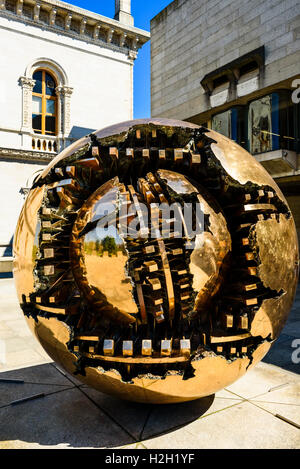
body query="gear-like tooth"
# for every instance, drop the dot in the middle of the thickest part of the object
(177, 252)
(146, 153)
(219, 349)
(178, 154)
(49, 270)
(95, 151)
(252, 271)
(260, 193)
(109, 347)
(228, 320)
(151, 266)
(243, 322)
(184, 296)
(249, 256)
(195, 158)
(149, 250)
(162, 199)
(147, 347)
(130, 152)
(138, 134)
(166, 348)
(46, 224)
(162, 154)
(155, 283)
(181, 272)
(113, 151)
(92, 163)
(127, 348)
(48, 253)
(185, 347)
(160, 319)
(46, 211)
(151, 178)
(232, 350)
(71, 171)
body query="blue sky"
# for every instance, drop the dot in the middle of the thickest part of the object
(143, 11)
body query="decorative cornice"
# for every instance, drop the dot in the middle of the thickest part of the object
(26, 155)
(114, 35)
(64, 90)
(27, 82)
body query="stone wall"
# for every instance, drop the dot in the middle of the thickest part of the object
(191, 38)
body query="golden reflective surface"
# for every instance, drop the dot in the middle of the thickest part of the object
(161, 319)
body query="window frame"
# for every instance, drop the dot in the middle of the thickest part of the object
(44, 97)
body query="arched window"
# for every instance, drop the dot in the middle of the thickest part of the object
(44, 103)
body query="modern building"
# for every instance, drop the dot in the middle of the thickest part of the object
(234, 66)
(65, 72)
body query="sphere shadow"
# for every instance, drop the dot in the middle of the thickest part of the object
(76, 416)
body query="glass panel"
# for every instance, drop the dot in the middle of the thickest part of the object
(260, 125)
(50, 106)
(50, 124)
(38, 76)
(222, 123)
(50, 85)
(36, 122)
(36, 105)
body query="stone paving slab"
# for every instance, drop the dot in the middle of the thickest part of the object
(41, 374)
(132, 416)
(288, 411)
(164, 418)
(65, 418)
(261, 379)
(241, 426)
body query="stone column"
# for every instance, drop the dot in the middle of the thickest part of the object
(27, 87)
(64, 94)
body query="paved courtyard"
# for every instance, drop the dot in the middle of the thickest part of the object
(261, 410)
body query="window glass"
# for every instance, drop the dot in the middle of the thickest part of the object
(50, 107)
(36, 105)
(222, 123)
(38, 77)
(260, 125)
(50, 124)
(37, 123)
(50, 85)
(232, 124)
(271, 123)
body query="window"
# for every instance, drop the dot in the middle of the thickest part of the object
(271, 123)
(232, 124)
(44, 104)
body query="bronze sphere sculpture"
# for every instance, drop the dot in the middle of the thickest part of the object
(146, 308)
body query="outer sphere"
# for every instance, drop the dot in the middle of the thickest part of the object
(161, 319)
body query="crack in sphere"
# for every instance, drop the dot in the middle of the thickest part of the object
(157, 260)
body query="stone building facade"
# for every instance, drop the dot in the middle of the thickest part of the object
(65, 72)
(234, 66)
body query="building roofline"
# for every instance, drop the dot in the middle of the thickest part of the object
(113, 34)
(96, 16)
(162, 12)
